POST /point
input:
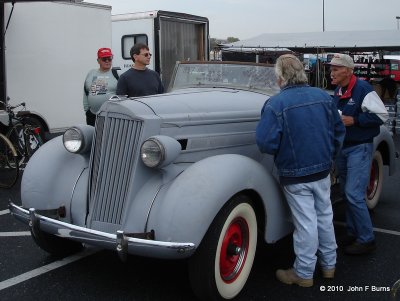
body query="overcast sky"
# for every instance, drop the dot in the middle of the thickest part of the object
(248, 18)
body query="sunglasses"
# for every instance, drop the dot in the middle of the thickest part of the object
(146, 54)
(106, 59)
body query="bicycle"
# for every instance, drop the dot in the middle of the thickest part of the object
(9, 168)
(23, 132)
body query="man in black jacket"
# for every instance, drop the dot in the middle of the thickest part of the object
(139, 80)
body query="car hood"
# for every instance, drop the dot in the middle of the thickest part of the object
(194, 104)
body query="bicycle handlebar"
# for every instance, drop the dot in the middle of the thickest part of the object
(10, 108)
(18, 105)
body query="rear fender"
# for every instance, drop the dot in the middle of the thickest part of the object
(184, 209)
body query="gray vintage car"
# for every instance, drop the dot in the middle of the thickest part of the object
(172, 176)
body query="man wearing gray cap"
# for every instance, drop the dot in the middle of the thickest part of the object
(362, 114)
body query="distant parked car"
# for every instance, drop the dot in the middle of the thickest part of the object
(172, 176)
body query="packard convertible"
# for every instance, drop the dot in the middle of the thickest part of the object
(172, 176)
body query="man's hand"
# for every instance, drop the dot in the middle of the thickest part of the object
(347, 120)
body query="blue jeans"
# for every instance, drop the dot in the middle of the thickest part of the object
(354, 165)
(314, 234)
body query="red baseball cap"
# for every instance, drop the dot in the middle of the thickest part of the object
(104, 52)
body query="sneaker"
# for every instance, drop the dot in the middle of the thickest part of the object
(357, 248)
(328, 273)
(290, 277)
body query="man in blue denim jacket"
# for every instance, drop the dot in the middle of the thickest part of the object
(362, 113)
(302, 128)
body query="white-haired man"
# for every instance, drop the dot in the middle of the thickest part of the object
(301, 127)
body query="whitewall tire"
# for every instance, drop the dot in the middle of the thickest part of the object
(375, 183)
(223, 261)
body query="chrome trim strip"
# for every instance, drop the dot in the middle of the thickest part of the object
(73, 190)
(137, 246)
(151, 206)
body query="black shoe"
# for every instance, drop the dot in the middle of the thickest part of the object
(357, 248)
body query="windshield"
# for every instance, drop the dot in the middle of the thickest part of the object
(256, 77)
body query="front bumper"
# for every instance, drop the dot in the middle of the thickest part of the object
(120, 242)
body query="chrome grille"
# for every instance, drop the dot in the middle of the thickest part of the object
(112, 164)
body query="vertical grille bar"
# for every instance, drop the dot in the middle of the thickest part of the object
(112, 163)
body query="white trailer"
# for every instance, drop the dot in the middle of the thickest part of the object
(170, 36)
(49, 48)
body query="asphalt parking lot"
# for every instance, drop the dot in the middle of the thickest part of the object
(28, 273)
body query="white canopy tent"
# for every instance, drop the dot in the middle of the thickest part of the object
(327, 41)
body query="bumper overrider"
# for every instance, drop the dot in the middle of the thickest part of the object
(120, 241)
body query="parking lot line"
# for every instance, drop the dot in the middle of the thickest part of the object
(2, 212)
(44, 269)
(397, 233)
(11, 234)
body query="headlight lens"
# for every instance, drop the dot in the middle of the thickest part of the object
(152, 153)
(73, 140)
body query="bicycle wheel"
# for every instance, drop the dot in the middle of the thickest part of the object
(9, 169)
(16, 136)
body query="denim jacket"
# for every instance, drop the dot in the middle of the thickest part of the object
(302, 128)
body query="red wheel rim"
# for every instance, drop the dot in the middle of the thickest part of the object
(373, 180)
(234, 250)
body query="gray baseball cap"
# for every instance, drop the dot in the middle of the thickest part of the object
(342, 60)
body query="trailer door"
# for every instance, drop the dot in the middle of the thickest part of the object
(180, 40)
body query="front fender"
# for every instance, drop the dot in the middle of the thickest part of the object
(184, 210)
(51, 177)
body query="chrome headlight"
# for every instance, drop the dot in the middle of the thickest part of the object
(159, 151)
(78, 139)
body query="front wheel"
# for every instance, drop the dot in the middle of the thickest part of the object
(374, 188)
(223, 261)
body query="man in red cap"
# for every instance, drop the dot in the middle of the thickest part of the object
(100, 85)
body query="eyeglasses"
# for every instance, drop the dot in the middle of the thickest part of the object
(106, 59)
(146, 54)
